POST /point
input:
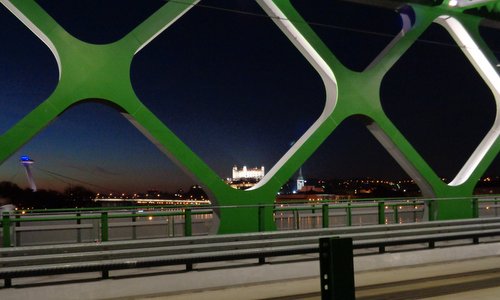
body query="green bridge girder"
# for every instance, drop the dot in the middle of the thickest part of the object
(101, 72)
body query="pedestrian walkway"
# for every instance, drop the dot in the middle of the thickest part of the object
(470, 279)
(466, 272)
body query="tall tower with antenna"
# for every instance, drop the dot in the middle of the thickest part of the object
(26, 161)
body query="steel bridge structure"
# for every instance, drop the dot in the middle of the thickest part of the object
(92, 71)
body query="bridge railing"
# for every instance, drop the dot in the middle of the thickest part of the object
(350, 214)
(100, 224)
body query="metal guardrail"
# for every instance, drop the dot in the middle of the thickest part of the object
(386, 211)
(18, 262)
(11, 221)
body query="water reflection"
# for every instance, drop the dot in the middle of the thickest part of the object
(126, 224)
(306, 219)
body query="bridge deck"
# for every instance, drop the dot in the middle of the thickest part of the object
(470, 279)
(474, 267)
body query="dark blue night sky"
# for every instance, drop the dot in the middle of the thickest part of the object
(236, 91)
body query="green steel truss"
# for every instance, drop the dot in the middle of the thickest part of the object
(89, 71)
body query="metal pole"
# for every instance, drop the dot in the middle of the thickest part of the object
(262, 218)
(188, 228)
(296, 216)
(432, 208)
(6, 229)
(188, 231)
(17, 233)
(414, 211)
(78, 230)
(326, 216)
(336, 268)
(349, 214)
(396, 215)
(134, 228)
(475, 208)
(173, 226)
(381, 212)
(104, 226)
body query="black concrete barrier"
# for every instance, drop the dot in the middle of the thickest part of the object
(336, 268)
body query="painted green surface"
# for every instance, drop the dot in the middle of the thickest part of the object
(90, 72)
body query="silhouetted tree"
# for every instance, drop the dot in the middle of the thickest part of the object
(79, 196)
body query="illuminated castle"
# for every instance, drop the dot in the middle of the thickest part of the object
(245, 178)
(245, 173)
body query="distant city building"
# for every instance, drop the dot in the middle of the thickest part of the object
(303, 187)
(195, 196)
(245, 178)
(314, 197)
(245, 173)
(300, 181)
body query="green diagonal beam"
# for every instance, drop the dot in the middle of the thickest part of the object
(101, 72)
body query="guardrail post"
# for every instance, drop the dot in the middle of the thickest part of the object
(336, 268)
(396, 214)
(381, 212)
(475, 208)
(6, 229)
(104, 227)
(325, 215)
(262, 218)
(188, 227)
(349, 214)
